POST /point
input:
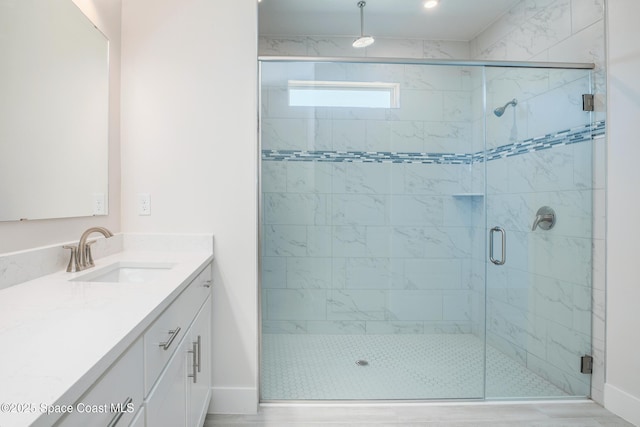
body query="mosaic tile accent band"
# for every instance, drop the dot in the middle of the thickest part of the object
(564, 137)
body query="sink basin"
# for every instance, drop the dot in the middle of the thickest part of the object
(126, 272)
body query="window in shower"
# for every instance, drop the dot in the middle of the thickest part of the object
(312, 93)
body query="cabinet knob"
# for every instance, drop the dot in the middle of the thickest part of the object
(207, 284)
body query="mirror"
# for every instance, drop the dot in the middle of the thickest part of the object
(53, 112)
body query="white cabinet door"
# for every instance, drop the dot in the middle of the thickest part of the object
(199, 366)
(167, 402)
(138, 421)
(115, 398)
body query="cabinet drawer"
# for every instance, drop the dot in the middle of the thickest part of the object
(163, 337)
(120, 389)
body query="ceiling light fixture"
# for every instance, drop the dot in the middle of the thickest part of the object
(430, 4)
(362, 41)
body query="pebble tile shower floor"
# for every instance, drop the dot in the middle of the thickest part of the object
(323, 367)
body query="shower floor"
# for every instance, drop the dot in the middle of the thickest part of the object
(406, 367)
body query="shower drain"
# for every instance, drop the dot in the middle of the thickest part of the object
(362, 363)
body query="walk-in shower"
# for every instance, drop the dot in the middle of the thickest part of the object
(383, 188)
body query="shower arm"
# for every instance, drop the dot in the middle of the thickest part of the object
(361, 5)
(513, 103)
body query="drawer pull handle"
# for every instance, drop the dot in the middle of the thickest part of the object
(174, 333)
(199, 355)
(195, 369)
(207, 284)
(120, 413)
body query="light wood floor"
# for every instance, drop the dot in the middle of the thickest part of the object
(537, 414)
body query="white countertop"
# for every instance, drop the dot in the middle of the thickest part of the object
(58, 336)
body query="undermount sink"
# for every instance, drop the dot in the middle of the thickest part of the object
(126, 272)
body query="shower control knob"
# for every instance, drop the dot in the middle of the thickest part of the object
(545, 219)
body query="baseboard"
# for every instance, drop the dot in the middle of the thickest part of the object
(622, 404)
(233, 400)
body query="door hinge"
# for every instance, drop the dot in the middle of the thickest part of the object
(588, 103)
(586, 364)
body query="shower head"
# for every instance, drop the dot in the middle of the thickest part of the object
(363, 40)
(500, 110)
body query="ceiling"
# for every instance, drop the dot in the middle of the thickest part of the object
(460, 20)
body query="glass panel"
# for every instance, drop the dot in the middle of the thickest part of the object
(373, 237)
(539, 154)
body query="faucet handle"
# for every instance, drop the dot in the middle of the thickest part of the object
(545, 218)
(87, 254)
(73, 260)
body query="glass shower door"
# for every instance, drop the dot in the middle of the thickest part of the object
(539, 198)
(372, 231)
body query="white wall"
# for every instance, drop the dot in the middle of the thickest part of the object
(622, 388)
(189, 138)
(16, 235)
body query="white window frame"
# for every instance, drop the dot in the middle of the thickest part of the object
(342, 91)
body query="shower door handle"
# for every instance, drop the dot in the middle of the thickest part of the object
(503, 257)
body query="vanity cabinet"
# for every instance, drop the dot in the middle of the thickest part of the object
(165, 334)
(164, 378)
(177, 359)
(181, 395)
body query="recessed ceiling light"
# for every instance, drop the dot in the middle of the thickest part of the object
(431, 4)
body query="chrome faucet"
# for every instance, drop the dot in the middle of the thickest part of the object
(81, 257)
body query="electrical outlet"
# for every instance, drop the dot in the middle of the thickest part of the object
(144, 204)
(99, 205)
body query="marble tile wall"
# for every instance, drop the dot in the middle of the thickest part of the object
(368, 247)
(382, 48)
(350, 245)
